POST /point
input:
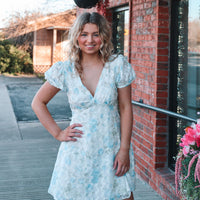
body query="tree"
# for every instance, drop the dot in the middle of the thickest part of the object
(13, 60)
(20, 31)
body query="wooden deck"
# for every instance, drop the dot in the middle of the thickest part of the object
(26, 166)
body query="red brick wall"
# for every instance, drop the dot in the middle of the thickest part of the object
(149, 55)
(115, 3)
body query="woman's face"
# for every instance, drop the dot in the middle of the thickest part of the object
(89, 39)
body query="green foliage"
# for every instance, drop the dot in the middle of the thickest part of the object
(188, 185)
(13, 60)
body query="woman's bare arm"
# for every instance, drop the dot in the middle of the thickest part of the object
(39, 106)
(122, 162)
(126, 116)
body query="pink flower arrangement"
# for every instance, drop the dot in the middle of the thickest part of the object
(191, 138)
(188, 155)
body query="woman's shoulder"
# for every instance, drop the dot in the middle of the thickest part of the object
(123, 71)
(117, 59)
(59, 68)
(63, 66)
(68, 65)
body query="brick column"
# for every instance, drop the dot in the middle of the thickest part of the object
(150, 59)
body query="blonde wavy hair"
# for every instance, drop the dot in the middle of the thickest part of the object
(105, 33)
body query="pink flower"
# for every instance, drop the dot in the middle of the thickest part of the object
(190, 139)
(190, 135)
(190, 131)
(190, 143)
(184, 142)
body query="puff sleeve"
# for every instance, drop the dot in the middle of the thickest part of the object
(124, 73)
(56, 75)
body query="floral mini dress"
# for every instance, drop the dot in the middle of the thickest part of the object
(84, 169)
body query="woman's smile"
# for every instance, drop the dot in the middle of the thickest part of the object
(90, 46)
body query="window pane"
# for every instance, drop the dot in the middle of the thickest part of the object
(126, 32)
(121, 31)
(193, 83)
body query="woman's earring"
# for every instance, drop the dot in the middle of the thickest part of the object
(101, 49)
(77, 46)
(101, 46)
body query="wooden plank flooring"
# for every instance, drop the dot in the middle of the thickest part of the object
(26, 167)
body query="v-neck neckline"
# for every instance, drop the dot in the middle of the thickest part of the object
(97, 86)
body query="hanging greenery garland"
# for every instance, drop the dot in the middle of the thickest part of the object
(101, 7)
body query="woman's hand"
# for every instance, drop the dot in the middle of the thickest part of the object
(122, 162)
(70, 133)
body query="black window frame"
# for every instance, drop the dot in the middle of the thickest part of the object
(115, 11)
(173, 104)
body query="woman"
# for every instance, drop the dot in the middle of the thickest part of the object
(93, 161)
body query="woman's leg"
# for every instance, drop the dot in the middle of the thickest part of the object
(131, 197)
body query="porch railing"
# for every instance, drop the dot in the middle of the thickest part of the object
(167, 112)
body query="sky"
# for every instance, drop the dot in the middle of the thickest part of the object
(9, 7)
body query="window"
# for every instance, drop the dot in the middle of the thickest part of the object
(120, 27)
(185, 68)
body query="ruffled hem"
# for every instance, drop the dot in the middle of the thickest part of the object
(122, 197)
(59, 193)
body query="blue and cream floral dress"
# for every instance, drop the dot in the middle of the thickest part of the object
(84, 169)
